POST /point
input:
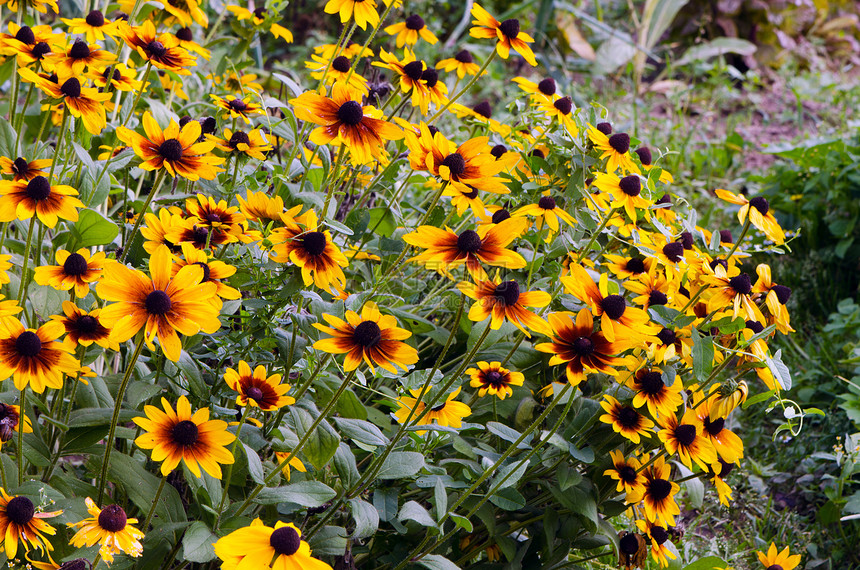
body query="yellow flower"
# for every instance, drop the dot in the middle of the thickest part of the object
(111, 528)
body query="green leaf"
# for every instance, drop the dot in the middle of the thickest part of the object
(309, 494)
(779, 370)
(361, 431)
(86, 417)
(412, 511)
(191, 373)
(344, 464)
(508, 499)
(401, 464)
(366, 518)
(140, 485)
(198, 543)
(323, 442)
(506, 433)
(462, 522)
(703, 355)
(255, 466)
(440, 497)
(437, 562)
(716, 47)
(92, 229)
(382, 222)
(509, 474)
(706, 563)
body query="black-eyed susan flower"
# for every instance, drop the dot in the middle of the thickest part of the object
(615, 148)
(625, 419)
(94, 26)
(363, 11)
(626, 192)
(259, 18)
(85, 103)
(162, 50)
(121, 77)
(469, 165)
(183, 436)
(184, 12)
(257, 389)
(186, 41)
(337, 69)
(23, 170)
(658, 496)
(294, 463)
(775, 560)
(156, 227)
(775, 296)
(259, 206)
(174, 149)
(372, 337)
(77, 56)
(197, 233)
(281, 545)
(445, 249)
(652, 391)
(625, 267)
(343, 120)
(411, 72)
(20, 521)
(34, 357)
(22, 200)
(111, 528)
(576, 344)
(27, 44)
(561, 111)
(729, 447)
(652, 289)
(626, 472)
(757, 211)
(447, 414)
(617, 319)
(731, 288)
(313, 251)
(546, 211)
(659, 536)
(507, 33)
(238, 107)
(10, 422)
(503, 300)
(162, 306)
(544, 90)
(40, 6)
(408, 31)
(215, 214)
(84, 328)
(494, 379)
(214, 270)
(253, 143)
(78, 270)
(462, 62)
(236, 83)
(685, 437)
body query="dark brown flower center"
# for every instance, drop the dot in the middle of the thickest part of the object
(664, 199)
(38, 189)
(651, 382)
(657, 298)
(630, 185)
(158, 303)
(714, 427)
(774, 567)
(659, 489)
(494, 378)
(75, 264)
(86, 324)
(760, 204)
(469, 241)
(112, 518)
(674, 251)
(755, 326)
(260, 13)
(156, 48)
(79, 50)
(546, 203)
(285, 541)
(726, 236)
(783, 293)
(414, 22)
(498, 150)
(340, 64)
(604, 128)
(582, 346)
(510, 28)
(456, 164)
(472, 193)
(667, 336)
(237, 105)
(484, 109)
(95, 19)
(200, 235)
(538, 153)
(430, 77)
(627, 474)
(614, 306)
(207, 125)
(238, 138)
(76, 564)
(629, 544)
(547, 86)
(627, 417)
(25, 35)
(463, 56)
(185, 433)
(206, 271)
(185, 35)
(635, 266)
(721, 262)
(28, 344)
(367, 334)
(414, 69)
(171, 150)
(254, 393)
(20, 166)
(620, 142)
(685, 434)
(20, 510)
(508, 292)
(564, 105)
(741, 284)
(350, 113)
(644, 154)
(500, 216)
(314, 243)
(71, 88)
(40, 49)
(659, 534)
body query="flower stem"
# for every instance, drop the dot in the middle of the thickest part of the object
(22, 287)
(129, 370)
(145, 526)
(63, 127)
(229, 474)
(462, 91)
(21, 418)
(155, 186)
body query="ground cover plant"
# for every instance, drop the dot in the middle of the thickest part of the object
(337, 313)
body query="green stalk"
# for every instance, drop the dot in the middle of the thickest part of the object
(229, 474)
(21, 430)
(468, 86)
(22, 287)
(145, 526)
(129, 370)
(159, 178)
